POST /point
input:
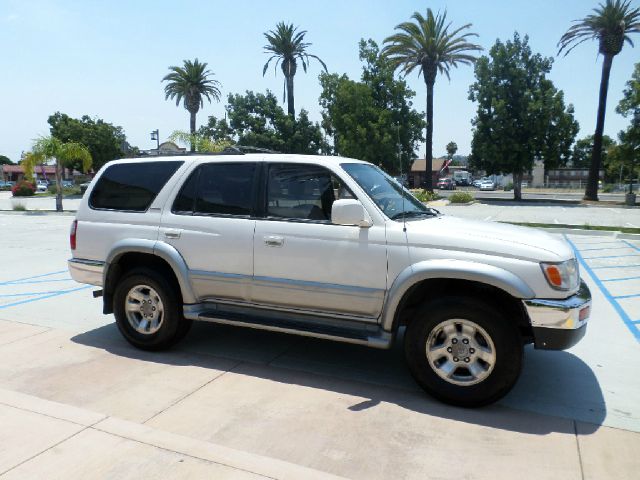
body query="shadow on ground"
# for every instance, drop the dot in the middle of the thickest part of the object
(552, 383)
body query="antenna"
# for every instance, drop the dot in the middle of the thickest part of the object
(404, 222)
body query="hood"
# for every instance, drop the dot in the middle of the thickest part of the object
(488, 238)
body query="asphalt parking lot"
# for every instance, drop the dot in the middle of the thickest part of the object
(236, 403)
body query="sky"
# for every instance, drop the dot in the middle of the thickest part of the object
(106, 58)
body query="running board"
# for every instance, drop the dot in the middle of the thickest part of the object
(360, 333)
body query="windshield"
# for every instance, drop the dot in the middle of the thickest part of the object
(394, 200)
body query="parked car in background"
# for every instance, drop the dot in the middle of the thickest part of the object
(84, 186)
(487, 185)
(446, 184)
(476, 183)
(67, 183)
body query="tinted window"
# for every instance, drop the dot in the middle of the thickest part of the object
(303, 192)
(218, 188)
(131, 186)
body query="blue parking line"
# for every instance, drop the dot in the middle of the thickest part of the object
(61, 292)
(615, 266)
(631, 245)
(602, 248)
(26, 294)
(627, 296)
(35, 276)
(615, 256)
(24, 282)
(621, 279)
(631, 324)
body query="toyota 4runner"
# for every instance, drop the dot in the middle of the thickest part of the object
(326, 247)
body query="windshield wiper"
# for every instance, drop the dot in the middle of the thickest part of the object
(414, 213)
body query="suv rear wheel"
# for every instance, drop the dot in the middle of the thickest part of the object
(463, 351)
(147, 308)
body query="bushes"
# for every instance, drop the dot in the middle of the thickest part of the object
(461, 197)
(23, 189)
(425, 196)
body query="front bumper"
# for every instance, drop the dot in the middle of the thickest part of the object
(559, 324)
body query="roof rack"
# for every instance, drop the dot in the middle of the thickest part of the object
(241, 149)
(231, 150)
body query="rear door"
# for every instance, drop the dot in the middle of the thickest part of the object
(211, 224)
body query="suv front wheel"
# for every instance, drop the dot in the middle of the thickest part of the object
(463, 351)
(148, 310)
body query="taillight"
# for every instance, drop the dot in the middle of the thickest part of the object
(73, 234)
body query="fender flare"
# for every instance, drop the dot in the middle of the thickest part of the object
(450, 269)
(165, 251)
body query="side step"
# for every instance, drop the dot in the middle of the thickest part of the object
(349, 331)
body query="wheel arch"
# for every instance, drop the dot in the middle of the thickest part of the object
(147, 253)
(434, 278)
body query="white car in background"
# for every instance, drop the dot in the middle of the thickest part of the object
(487, 185)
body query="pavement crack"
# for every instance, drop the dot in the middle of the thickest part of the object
(24, 338)
(575, 432)
(180, 399)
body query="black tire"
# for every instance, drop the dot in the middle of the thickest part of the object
(173, 326)
(503, 334)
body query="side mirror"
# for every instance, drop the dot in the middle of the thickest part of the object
(350, 212)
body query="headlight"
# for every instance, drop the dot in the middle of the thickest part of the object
(563, 275)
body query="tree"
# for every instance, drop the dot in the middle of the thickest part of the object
(610, 24)
(452, 148)
(104, 141)
(628, 150)
(432, 46)
(64, 153)
(372, 119)
(4, 160)
(583, 148)
(191, 84)
(286, 45)
(520, 116)
(256, 120)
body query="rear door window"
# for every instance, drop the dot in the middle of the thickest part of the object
(218, 189)
(131, 187)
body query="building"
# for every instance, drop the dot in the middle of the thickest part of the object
(417, 174)
(165, 148)
(15, 173)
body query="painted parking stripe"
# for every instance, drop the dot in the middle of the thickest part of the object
(618, 246)
(619, 297)
(614, 256)
(35, 276)
(631, 324)
(631, 245)
(615, 266)
(30, 282)
(61, 292)
(621, 279)
(27, 294)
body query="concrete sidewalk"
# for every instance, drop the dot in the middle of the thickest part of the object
(44, 439)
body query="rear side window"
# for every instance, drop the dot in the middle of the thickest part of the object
(131, 186)
(218, 189)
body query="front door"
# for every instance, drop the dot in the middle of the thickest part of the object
(303, 261)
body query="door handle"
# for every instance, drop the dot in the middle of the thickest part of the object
(172, 233)
(273, 241)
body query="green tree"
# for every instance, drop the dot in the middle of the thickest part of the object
(256, 120)
(520, 116)
(191, 84)
(583, 148)
(452, 148)
(287, 46)
(610, 24)
(372, 119)
(104, 141)
(432, 46)
(64, 153)
(4, 160)
(628, 150)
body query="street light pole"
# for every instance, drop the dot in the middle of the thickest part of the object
(155, 135)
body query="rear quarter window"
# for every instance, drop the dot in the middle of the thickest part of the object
(131, 186)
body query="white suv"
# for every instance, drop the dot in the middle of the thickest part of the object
(327, 247)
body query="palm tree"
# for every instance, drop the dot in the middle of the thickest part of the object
(288, 46)
(65, 153)
(430, 45)
(191, 84)
(611, 25)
